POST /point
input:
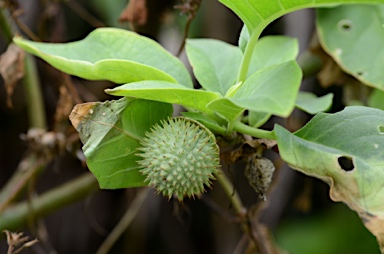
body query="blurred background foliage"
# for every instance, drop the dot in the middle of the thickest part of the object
(298, 211)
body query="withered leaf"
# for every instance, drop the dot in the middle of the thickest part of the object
(11, 69)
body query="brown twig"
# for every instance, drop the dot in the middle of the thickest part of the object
(189, 8)
(28, 167)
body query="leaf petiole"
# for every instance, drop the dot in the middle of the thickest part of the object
(248, 53)
(254, 132)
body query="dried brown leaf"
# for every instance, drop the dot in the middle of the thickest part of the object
(11, 69)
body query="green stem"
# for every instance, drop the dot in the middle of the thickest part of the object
(254, 132)
(4, 27)
(54, 199)
(248, 54)
(34, 95)
(231, 193)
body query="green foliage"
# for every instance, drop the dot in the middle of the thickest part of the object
(311, 104)
(167, 92)
(257, 14)
(353, 36)
(259, 76)
(214, 70)
(111, 133)
(113, 54)
(355, 134)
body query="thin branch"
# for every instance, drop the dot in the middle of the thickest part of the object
(34, 96)
(125, 221)
(48, 202)
(27, 168)
(190, 8)
(231, 193)
(84, 14)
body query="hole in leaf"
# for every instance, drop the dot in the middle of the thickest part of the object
(346, 163)
(360, 73)
(381, 129)
(345, 25)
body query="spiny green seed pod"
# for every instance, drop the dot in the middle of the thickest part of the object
(180, 156)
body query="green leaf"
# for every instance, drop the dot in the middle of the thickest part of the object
(312, 104)
(225, 108)
(243, 38)
(111, 132)
(215, 63)
(257, 14)
(272, 50)
(272, 90)
(376, 99)
(341, 30)
(207, 121)
(325, 146)
(167, 92)
(114, 54)
(257, 119)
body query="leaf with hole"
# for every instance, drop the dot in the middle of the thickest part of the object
(114, 54)
(353, 36)
(257, 14)
(345, 150)
(215, 63)
(111, 132)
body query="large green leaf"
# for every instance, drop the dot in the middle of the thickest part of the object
(353, 36)
(272, 90)
(257, 14)
(272, 50)
(167, 92)
(215, 63)
(113, 54)
(325, 147)
(312, 104)
(111, 132)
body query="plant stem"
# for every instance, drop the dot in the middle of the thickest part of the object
(5, 28)
(254, 132)
(27, 168)
(34, 95)
(54, 199)
(248, 54)
(125, 221)
(231, 193)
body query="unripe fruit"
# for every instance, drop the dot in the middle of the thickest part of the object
(180, 157)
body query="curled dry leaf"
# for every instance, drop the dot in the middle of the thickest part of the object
(11, 69)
